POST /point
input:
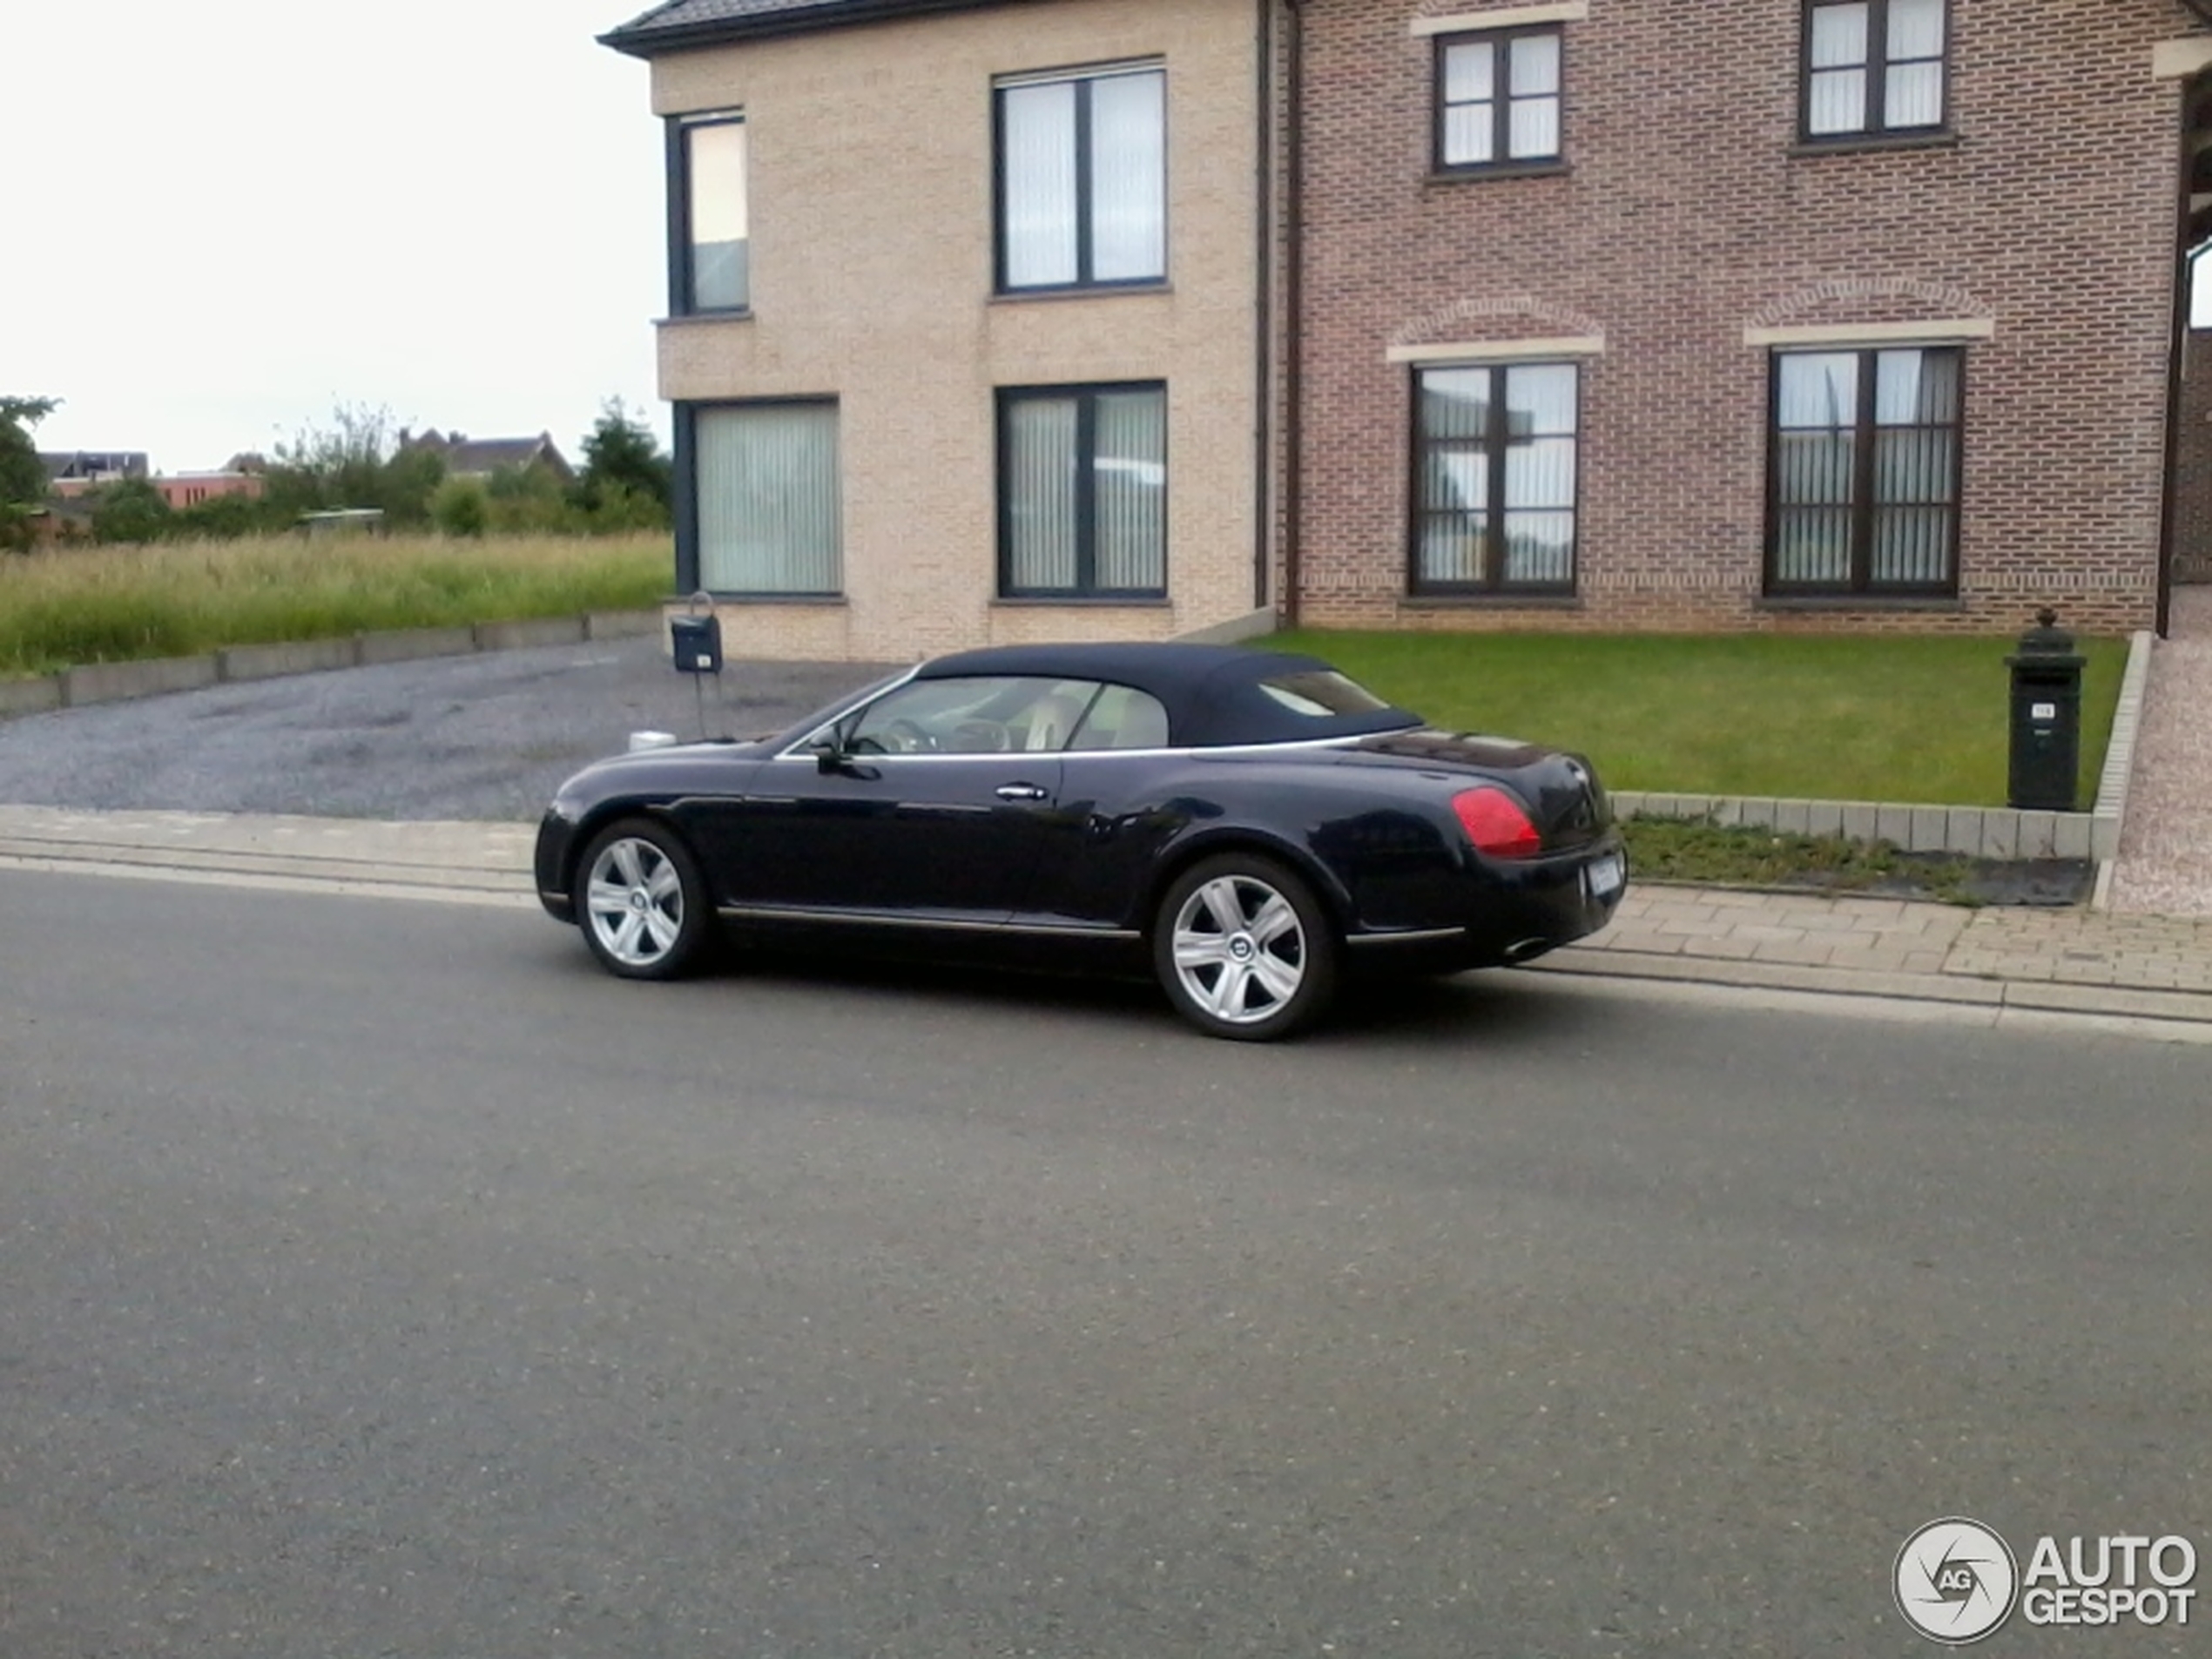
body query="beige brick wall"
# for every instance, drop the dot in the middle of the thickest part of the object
(871, 230)
(1682, 219)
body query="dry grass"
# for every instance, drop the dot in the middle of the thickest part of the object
(67, 606)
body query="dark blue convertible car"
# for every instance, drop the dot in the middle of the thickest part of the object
(1249, 825)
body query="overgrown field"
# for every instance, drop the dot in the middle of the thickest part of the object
(69, 606)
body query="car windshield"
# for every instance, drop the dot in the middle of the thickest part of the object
(1320, 693)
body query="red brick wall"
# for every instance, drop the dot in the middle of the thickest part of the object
(1682, 218)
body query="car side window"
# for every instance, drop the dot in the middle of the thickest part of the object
(980, 715)
(1124, 717)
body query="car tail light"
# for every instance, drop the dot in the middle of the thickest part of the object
(1497, 824)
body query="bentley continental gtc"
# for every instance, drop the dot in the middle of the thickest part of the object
(1249, 826)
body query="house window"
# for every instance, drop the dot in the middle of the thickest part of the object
(1498, 98)
(709, 264)
(1865, 470)
(1082, 179)
(765, 480)
(1494, 479)
(1874, 66)
(1083, 492)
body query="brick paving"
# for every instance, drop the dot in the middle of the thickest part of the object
(2165, 863)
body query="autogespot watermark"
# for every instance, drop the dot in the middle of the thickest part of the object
(1958, 1580)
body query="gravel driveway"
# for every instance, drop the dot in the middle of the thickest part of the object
(483, 737)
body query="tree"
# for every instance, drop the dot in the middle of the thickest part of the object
(626, 479)
(23, 475)
(356, 460)
(461, 508)
(131, 510)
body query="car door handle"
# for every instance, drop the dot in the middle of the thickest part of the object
(1022, 791)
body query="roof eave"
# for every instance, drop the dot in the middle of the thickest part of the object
(649, 43)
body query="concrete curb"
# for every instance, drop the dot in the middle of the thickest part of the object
(93, 682)
(2181, 1008)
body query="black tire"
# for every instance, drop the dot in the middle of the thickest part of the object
(1273, 970)
(642, 903)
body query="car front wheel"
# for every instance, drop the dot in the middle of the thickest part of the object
(642, 902)
(1243, 948)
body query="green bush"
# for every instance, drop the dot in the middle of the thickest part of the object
(461, 508)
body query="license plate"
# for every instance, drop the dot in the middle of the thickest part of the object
(1607, 874)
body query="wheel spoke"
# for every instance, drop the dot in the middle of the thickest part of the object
(606, 898)
(662, 926)
(664, 882)
(1281, 978)
(625, 861)
(1200, 950)
(624, 943)
(1228, 997)
(1221, 903)
(1275, 919)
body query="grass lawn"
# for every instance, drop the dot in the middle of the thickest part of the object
(1888, 718)
(67, 606)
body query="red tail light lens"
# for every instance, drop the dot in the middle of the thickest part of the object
(1497, 824)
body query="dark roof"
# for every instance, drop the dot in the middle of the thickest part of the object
(466, 457)
(1213, 694)
(682, 23)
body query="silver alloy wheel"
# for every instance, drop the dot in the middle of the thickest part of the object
(634, 901)
(1239, 949)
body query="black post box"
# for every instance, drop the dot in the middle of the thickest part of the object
(697, 643)
(2047, 718)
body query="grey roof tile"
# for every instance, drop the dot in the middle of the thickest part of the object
(678, 23)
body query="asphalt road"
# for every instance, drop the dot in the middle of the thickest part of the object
(484, 736)
(379, 1278)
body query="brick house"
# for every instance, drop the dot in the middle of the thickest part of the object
(1618, 315)
(964, 334)
(1636, 314)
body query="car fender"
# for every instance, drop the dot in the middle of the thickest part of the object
(1204, 839)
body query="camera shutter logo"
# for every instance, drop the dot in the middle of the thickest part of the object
(1956, 1580)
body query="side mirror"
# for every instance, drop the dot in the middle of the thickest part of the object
(828, 759)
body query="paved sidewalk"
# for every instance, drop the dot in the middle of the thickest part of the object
(2165, 862)
(2072, 959)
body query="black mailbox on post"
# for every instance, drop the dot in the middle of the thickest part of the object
(697, 643)
(2047, 718)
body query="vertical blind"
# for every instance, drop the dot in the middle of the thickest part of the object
(1497, 477)
(1082, 171)
(768, 514)
(1866, 467)
(1085, 494)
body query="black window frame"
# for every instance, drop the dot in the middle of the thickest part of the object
(682, 301)
(1502, 100)
(1496, 446)
(1861, 586)
(1086, 589)
(1083, 80)
(1875, 125)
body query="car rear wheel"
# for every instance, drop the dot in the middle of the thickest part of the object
(1243, 948)
(642, 902)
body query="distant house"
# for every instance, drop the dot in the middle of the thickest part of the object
(468, 457)
(72, 472)
(190, 489)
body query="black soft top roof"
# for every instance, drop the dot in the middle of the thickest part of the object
(1214, 695)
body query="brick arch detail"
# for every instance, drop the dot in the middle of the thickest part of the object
(1504, 316)
(1872, 299)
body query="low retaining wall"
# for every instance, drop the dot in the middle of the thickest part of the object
(1979, 831)
(117, 681)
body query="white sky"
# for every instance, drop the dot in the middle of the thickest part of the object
(226, 217)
